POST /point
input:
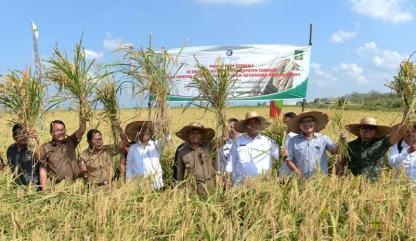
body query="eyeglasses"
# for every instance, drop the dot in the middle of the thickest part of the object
(306, 121)
(368, 127)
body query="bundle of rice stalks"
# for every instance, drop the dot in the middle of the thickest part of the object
(151, 71)
(77, 79)
(215, 89)
(404, 84)
(24, 97)
(277, 132)
(107, 94)
(338, 125)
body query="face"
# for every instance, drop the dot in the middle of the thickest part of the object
(233, 132)
(253, 126)
(195, 136)
(58, 132)
(307, 125)
(20, 137)
(286, 120)
(411, 135)
(145, 134)
(96, 142)
(367, 132)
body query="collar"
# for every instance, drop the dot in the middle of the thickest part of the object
(315, 135)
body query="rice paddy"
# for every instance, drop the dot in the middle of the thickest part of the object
(266, 208)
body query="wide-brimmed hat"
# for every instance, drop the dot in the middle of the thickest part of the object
(241, 127)
(368, 121)
(136, 126)
(321, 119)
(207, 133)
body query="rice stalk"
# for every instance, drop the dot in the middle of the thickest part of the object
(107, 94)
(76, 79)
(277, 132)
(24, 97)
(404, 84)
(151, 70)
(215, 89)
(338, 126)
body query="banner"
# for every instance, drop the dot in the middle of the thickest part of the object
(267, 72)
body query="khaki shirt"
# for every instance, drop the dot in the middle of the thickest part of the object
(198, 163)
(100, 166)
(60, 159)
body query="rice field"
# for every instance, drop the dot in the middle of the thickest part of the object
(266, 208)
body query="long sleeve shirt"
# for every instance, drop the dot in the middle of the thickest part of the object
(251, 157)
(403, 159)
(144, 161)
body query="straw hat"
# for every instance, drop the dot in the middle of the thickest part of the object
(321, 119)
(207, 133)
(368, 121)
(136, 126)
(240, 126)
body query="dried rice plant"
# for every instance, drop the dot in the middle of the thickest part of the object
(338, 125)
(24, 97)
(151, 71)
(76, 79)
(215, 89)
(107, 94)
(404, 84)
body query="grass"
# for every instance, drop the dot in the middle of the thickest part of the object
(267, 208)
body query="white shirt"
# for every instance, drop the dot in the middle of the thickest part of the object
(251, 157)
(284, 169)
(403, 159)
(144, 161)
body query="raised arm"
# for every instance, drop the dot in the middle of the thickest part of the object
(397, 132)
(82, 127)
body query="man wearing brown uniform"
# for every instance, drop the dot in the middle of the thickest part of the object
(97, 161)
(57, 158)
(193, 156)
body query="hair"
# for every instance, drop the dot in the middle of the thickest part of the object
(290, 115)
(16, 127)
(91, 133)
(232, 120)
(54, 123)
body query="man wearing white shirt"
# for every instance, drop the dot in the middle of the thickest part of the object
(143, 156)
(251, 153)
(403, 155)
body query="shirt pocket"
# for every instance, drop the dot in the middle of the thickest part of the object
(243, 154)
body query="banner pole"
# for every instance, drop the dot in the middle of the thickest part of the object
(310, 44)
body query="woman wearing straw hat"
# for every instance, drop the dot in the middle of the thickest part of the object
(144, 155)
(307, 150)
(365, 154)
(251, 153)
(194, 156)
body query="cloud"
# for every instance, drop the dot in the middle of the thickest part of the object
(322, 78)
(90, 54)
(111, 43)
(354, 72)
(341, 36)
(382, 58)
(235, 2)
(391, 11)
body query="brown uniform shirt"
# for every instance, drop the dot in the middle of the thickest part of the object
(60, 159)
(197, 163)
(100, 166)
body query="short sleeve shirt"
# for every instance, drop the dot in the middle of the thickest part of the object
(310, 154)
(100, 166)
(60, 159)
(367, 157)
(23, 165)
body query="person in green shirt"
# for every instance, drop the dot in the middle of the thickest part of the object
(365, 154)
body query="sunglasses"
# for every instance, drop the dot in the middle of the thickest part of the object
(307, 121)
(368, 127)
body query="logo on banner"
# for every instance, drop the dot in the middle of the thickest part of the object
(299, 54)
(229, 52)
